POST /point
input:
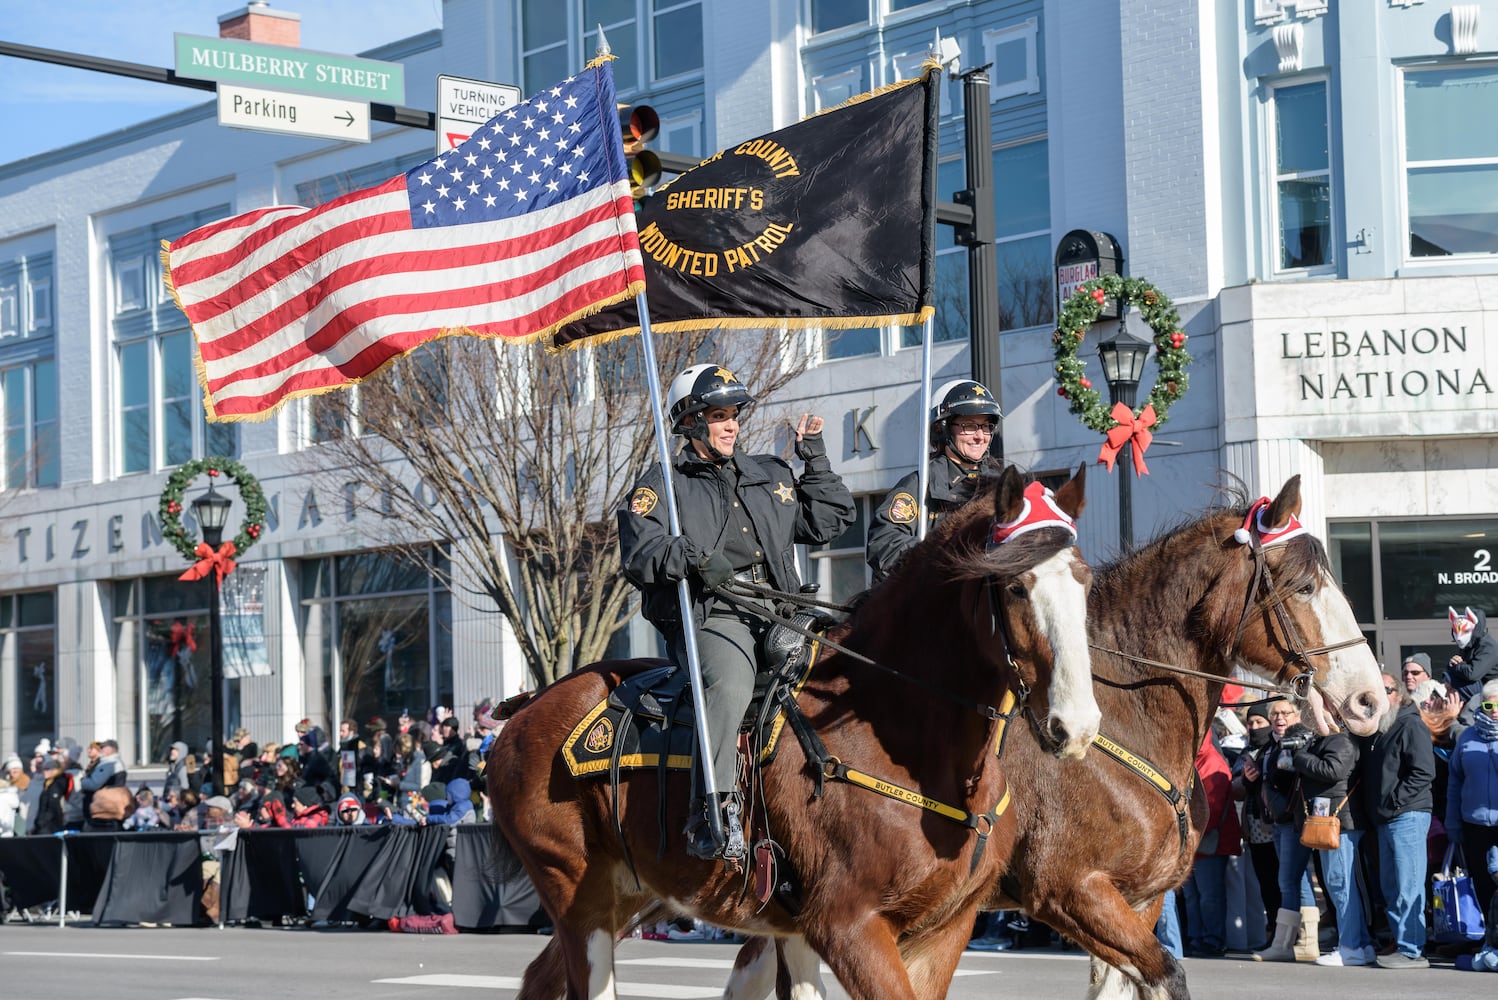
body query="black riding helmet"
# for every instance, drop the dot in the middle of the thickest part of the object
(960, 398)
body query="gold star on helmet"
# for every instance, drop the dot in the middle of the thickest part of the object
(725, 375)
(978, 390)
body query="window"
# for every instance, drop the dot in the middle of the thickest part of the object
(26, 297)
(829, 14)
(840, 566)
(157, 395)
(28, 398)
(830, 91)
(544, 53)
(1015, 69)
(28, 636)
(10, 311)
(677, 37)
(661, 36)
(1302, 177)
(1428, 566)
(41, 305)
(1022, 213)
(621, 27)
(951, 320)
(162, 637)
(1451, 160)
(377, 633)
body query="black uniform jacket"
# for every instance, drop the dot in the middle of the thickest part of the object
(893, 529)
(784, 510)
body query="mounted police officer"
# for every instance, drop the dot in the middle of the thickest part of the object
(963, 421)
(741, 517)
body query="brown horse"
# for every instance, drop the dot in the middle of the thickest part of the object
(964, 623)
(1096, 843)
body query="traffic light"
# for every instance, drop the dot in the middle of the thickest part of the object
(639, 124)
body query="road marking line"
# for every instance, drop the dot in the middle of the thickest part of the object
(662, 991)
(679, 963)
(147, 958)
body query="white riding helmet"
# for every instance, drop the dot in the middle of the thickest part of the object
(701, 387)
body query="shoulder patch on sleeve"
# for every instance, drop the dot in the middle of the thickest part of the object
(903, 509)
(642, 501)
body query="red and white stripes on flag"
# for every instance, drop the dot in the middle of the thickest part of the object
(526, 227)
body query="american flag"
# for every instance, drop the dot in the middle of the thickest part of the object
(525, 227)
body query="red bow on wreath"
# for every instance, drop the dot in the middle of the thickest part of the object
(181, 636)
(1130, 430)
(220, 563)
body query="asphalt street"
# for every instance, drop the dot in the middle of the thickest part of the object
(88, 963)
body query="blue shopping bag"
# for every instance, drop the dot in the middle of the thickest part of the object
(1455, 915)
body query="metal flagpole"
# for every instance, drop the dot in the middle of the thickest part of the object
(62, 884)
(923, 427)
(683, 590)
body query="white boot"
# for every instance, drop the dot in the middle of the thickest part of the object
(1286, 925)
(1348, 956)
(1308, 945)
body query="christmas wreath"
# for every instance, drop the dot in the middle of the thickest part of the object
(172, 528)
(1081, 310)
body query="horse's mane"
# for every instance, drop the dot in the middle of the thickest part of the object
(957, 551)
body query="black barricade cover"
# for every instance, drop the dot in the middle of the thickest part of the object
(259, 877)
(333, 860)
(829, 222)
(480, 898)
(151, 878)
(31, 868)
(398, 882)
(88, 860)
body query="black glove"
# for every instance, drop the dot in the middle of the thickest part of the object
(811, 446)
(715, 570)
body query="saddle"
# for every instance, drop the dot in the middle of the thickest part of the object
(648, 721)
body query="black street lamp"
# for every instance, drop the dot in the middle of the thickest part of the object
(1123, 360)
(211, 511)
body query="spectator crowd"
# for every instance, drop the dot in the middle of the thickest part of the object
(1417, 796)
(419, 771)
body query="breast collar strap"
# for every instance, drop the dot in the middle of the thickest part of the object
(1155, 778)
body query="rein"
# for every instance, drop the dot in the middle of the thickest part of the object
(828, 765)
(730, 593)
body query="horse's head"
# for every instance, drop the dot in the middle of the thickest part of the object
(1036, 584)
(1296, 625)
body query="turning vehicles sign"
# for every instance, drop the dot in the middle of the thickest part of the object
(464, 105)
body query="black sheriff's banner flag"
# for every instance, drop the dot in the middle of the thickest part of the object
(829, 222)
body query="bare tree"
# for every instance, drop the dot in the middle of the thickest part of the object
(515, 462)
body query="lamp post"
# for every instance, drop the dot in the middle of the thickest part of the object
(211, 510)
(1123, 362)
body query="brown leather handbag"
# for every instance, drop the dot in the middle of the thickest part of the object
(1322, 833)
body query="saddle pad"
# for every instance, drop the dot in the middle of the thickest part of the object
(642, 742)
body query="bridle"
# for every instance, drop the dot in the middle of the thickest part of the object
(1300, 685)
(1297, 687)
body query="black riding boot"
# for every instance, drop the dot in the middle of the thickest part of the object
(700, 835)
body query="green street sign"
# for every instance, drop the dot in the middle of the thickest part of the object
(280, 67)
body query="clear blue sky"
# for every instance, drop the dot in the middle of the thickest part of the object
(43, 106)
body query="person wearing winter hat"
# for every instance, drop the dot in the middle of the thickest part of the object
(1414, 669)
(348, 811)
(307, 808)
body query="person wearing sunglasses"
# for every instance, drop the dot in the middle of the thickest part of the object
(964, 421)
(1472, 794)
(349, 811)
(1398, 793)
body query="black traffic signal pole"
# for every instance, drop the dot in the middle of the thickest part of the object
(971, 215)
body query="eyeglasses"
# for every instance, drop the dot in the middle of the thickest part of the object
(984, 429)
(1414, 670)
(1388, 690)
(1283, 715)
(1490, 706)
